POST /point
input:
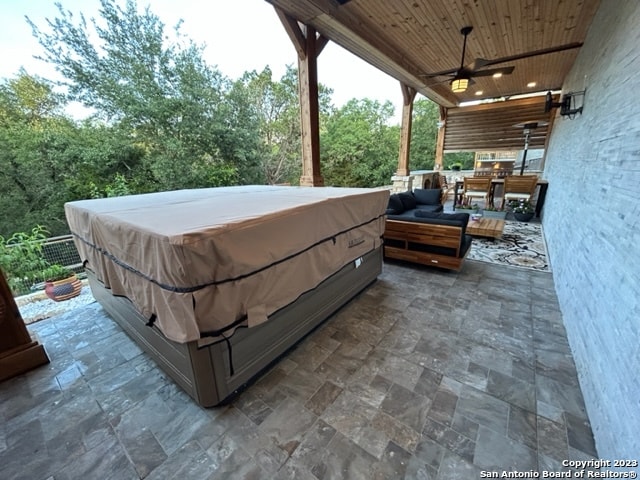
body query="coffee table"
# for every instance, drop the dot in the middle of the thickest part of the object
(485, 227)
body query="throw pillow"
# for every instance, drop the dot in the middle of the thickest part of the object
(408, 200)
(395, 204)
(428, 196)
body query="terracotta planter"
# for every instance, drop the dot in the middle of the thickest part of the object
(64, 289)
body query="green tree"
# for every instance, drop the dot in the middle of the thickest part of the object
(33, 137)
(98, 154)
(424, 134)
(47, 159)
(162, 92)
(275, 107)
(358, 147)
(464, 159)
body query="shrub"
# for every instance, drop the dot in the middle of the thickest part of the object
(56, 272)
(21, 259)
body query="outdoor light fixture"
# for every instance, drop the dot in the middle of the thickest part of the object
(459, 84)
(567, 104)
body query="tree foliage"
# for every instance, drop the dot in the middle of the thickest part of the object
(424, 134)
(163, 119)
(33, 139)
(275, 109)
(357, 146)
(162, 92)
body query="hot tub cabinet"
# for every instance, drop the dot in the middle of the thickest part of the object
(216, 284)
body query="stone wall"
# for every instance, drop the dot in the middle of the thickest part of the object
(591, 225)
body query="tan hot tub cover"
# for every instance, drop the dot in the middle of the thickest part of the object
(202, 262)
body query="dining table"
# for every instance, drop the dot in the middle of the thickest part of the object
(541, 186)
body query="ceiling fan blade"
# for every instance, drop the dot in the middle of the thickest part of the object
(438, 82)
(477, 64)
(533, 53)
(451, 72)
(493, 71)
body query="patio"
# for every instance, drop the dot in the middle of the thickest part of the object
(426, 374)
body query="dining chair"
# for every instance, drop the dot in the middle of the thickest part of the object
(518, 187)
(476, 187)
(447, 188)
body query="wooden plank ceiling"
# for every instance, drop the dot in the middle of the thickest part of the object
(410, 39)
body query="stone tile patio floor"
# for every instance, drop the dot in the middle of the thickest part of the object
(426, 375)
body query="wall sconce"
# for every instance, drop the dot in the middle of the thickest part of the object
(568, 105)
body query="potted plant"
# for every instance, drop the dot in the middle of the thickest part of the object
(22, 260)
(61, 283)
(494, 212)
(522, 210)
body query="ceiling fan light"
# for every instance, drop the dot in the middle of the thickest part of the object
(497, 75)
(459, 85)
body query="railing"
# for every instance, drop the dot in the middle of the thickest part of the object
(62, 250)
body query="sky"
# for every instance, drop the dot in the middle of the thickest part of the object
(239, 36)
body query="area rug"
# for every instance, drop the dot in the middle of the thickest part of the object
(522, 245)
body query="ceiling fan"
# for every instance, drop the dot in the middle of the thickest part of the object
(464, 74)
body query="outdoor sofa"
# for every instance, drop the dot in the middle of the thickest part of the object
(420, 233)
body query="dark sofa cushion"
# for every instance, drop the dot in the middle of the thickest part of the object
(429, 208)
(451, 219)
(395, 206)
(404, 216)
(427, 196)
(465, 245)
(408, 200)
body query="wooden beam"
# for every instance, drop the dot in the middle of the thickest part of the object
(408, 95)
(308, 44)
(292, 27)
(442, 126)
(18, 352)
(321, 42)
(309, 116)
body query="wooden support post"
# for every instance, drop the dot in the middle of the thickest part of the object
(308, 45)
(442, 125)
(309, 117)
(408, 95)
(18, 352)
